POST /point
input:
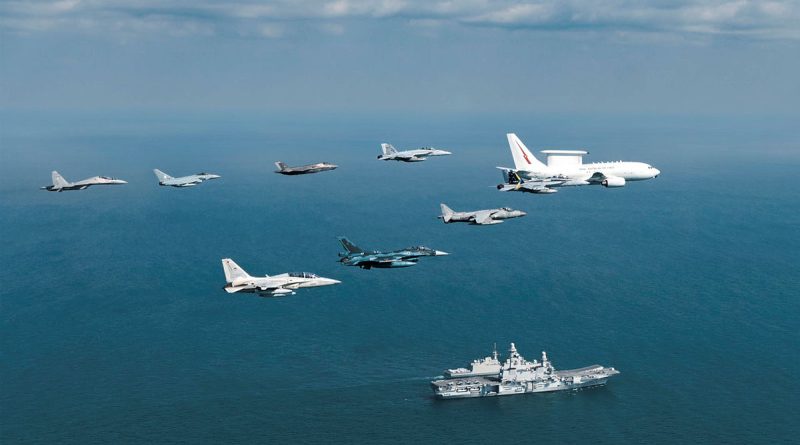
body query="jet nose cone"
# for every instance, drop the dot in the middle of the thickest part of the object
(330, 281)
(656, 172)
(443, 152)
(521, 213)
(440, 253)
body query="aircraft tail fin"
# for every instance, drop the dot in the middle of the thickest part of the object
(348, 246)
(281, 166)
(58, 180)
(387, 149)
(233, 271)
(523, 158)
(161, 175)
(447, 213)
(510, 176)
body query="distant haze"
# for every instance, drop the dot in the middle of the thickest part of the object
(618, 56)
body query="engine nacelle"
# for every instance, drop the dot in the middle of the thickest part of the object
(613, 181)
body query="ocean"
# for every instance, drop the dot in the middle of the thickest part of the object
(115, 329)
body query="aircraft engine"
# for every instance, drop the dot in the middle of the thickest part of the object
(613, 181)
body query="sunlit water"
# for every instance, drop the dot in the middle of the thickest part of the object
(115, 328)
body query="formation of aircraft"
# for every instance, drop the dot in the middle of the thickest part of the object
(365, 259)
(184, 181)
(389, 153)
(481, 217)
(566, 168)
(563, 168)
(237, 280)
(304, 169)
(60, 184)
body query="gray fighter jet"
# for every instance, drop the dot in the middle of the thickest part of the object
(481, 217)
(512, 182)
(390, 154)
(60, 184)
(304, 169)
(356, 256)
(184, 181)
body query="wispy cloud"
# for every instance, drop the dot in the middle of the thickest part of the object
(776, 19)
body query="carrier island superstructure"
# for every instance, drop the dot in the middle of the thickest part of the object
(489, 377)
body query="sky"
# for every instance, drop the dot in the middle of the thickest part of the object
(619, 56)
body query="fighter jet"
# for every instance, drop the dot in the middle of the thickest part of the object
(60, 184)
(356, 256)
(269, 286)
(420, 154)
(304, 169)
(481, 217)
(184, 181)
(512, 182)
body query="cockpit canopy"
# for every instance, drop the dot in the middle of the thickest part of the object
(507, 209)
(106, 177)
(302, 275)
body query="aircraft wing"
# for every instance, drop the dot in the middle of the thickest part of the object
(484, 217)
(262, 288)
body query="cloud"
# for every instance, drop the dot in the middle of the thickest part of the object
(777, 19)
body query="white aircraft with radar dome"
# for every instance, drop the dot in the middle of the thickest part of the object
(566, 168)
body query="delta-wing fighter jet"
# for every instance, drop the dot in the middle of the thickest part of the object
(269, 286)
(481, 217)
(60, 184)
(304, 169)
(390, 154)
(184, 181)
(566, 168)
(365, 259)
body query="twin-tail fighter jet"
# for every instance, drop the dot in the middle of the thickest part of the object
(356, 256)
(184, 181)
(390, 154)
(60, 184)
(304, 169)
(566, 168)
(480, 217)
(269, 286)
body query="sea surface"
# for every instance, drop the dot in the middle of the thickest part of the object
(114, 327)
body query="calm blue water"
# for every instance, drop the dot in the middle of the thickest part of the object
(114, 327)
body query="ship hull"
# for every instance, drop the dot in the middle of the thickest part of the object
(506, 390)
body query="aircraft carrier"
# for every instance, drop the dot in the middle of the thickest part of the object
(488, 377)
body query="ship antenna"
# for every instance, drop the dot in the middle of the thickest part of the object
(494, 354)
